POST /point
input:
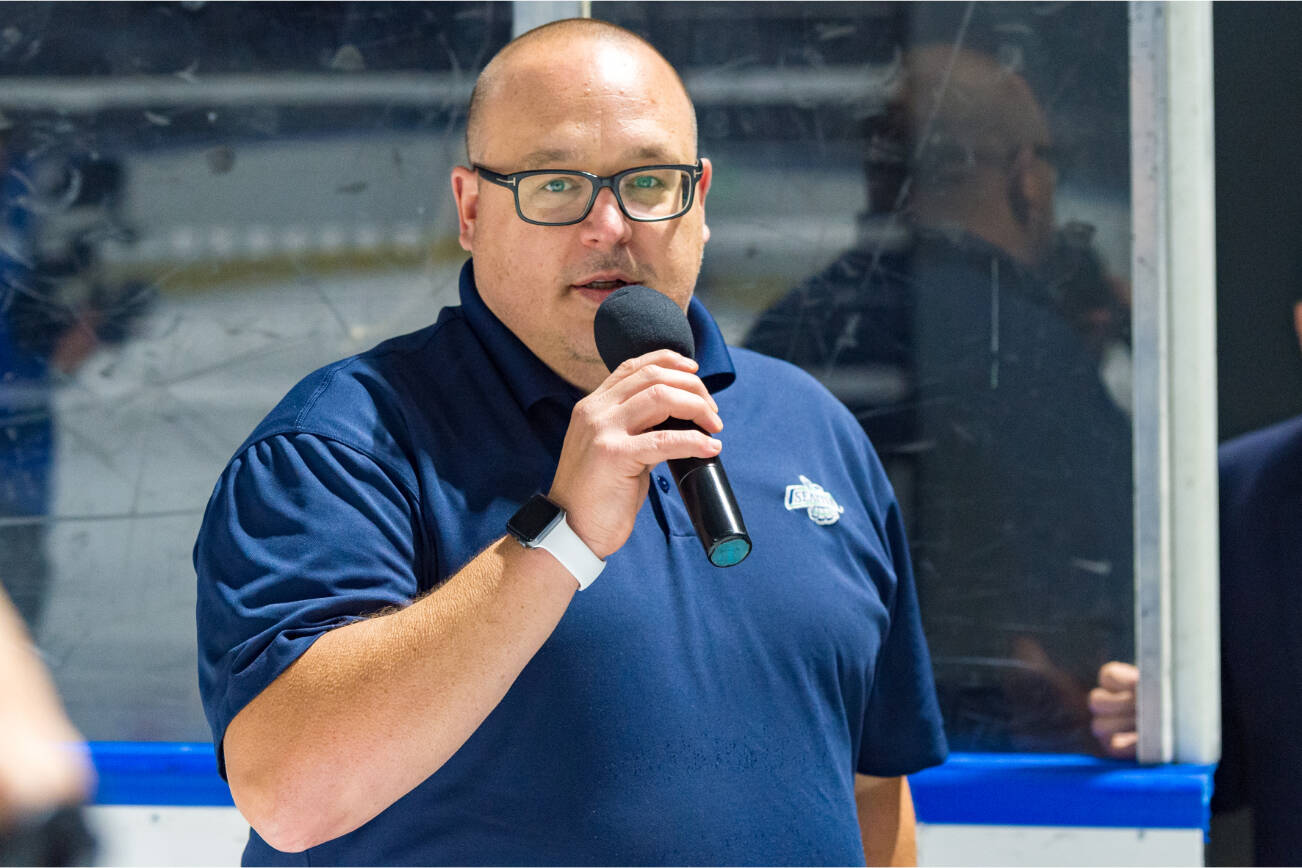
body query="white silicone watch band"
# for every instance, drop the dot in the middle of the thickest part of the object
(573, 553)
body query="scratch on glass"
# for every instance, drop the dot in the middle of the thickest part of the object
(994, 324)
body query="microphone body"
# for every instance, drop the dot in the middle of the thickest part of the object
(635, 320)
(713, 509)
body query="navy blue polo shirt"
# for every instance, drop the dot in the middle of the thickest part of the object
(1261, 637)
(680, 713)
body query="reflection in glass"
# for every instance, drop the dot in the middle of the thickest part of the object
(203, 202)
(59, 308)
(977, 337)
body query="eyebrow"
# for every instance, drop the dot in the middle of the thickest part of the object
(654, 153)
(547, 158)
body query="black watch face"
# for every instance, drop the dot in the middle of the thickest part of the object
(533, 518)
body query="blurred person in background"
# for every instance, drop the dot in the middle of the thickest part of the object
(45, 772)
(968, 332)
(1261, 642)
(57, 308)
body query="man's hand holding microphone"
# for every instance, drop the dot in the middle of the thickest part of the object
(652, 408)
(613, 442)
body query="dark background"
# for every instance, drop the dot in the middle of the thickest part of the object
(1258, 212)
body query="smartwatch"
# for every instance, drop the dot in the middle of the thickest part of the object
(540, 524)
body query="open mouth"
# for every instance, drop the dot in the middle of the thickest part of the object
(603, 285)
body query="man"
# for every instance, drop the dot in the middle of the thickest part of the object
(392, 678)
(1261, 622)
(983, 396)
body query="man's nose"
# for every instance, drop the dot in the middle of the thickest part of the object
(606, 224)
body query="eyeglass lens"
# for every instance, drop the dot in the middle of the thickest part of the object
(560, 197)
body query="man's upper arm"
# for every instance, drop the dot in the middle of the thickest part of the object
(302, 535)
(902, 731)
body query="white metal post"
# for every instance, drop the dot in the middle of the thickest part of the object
(1148, 135)
(1195, 577)
(1174, 268)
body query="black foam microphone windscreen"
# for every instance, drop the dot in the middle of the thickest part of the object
(635, 320)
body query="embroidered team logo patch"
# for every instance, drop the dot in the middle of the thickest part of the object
(815, 500)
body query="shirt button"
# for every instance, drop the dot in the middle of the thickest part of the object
(663, 483)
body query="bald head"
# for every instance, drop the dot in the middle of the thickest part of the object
(534, 52)
(975, 139)
(965, 108)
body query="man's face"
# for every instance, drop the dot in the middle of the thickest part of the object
(590, 106)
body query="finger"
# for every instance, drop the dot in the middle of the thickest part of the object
(1118, 676)
(651, 374)
(1106, 727)
(654, 447)
(662, 358)
(1123, 745)
(659, 402)
(1112, 702)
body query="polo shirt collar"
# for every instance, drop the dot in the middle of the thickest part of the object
(531, 381)
(711, 350)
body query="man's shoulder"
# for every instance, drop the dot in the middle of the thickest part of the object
(756, 369)
(363, 400)
(1269, 457)
(778, 390)
(860, 286)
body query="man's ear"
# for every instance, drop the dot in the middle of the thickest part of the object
(1022, 186)
(465, 191)
(1032, 183)
(702, 188)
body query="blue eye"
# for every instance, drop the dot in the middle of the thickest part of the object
(556, 185)
(645, 182)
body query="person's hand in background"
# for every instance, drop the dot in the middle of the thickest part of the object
(1112, 709)
(43, 762)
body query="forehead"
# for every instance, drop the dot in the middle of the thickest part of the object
(607, 103)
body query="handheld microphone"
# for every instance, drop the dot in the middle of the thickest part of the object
(632, 321)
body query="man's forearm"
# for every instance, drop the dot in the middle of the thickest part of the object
(886, 820)
(373, 708)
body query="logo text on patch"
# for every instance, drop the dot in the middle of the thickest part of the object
(815, 500)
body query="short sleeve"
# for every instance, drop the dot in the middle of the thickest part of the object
(903, 732)
(302, 534)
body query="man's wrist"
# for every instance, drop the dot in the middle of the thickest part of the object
(541, 523)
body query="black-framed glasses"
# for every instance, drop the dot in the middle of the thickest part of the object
(554, 197)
